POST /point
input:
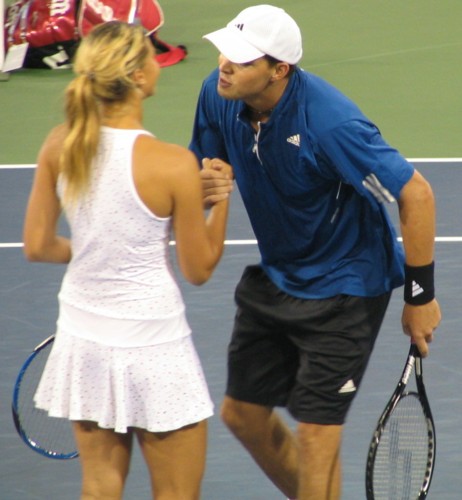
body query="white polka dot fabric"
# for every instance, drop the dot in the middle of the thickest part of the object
(158, 388)
(120, 261)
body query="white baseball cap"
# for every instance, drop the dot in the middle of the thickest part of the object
(258, 31)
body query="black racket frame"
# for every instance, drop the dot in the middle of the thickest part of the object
(413, 364)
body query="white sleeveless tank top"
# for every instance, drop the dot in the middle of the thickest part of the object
(120, 267)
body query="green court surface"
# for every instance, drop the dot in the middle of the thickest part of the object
(400, 60)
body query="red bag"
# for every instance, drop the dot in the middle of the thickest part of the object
(94, 12)
(49, 28)
(40, 22)
(148, 13)
(51, 22)
(53, 28)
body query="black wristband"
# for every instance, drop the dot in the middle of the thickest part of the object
(419, 285)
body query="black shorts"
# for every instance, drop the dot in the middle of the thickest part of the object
(306, 355)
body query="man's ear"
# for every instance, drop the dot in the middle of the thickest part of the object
(280, 71)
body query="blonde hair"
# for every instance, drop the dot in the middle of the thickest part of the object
(104, 64)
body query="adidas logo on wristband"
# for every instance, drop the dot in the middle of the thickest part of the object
(416, 289)
(419, 286)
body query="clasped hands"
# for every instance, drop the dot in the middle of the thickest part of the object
(217, 180)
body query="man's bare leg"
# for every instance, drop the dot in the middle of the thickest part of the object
(268, 440)
(319, 462)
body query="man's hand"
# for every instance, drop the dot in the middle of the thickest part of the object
(217, 181)
(419, 322)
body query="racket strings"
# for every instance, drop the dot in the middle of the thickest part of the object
(402, 459)
(48, 435)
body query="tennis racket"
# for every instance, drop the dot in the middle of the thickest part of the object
(49, 436)
(401, 455)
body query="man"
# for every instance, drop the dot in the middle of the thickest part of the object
(314, 174)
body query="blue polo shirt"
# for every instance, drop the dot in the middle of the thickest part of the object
(314, 180)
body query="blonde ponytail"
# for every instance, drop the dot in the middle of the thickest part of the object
(104, 64)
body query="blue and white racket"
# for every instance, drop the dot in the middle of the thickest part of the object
(48, 436)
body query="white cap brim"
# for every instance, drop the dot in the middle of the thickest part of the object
(232, 46)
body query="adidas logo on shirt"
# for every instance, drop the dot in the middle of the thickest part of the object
(294, 139)
(416, 289)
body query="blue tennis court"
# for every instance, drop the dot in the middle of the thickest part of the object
(28, 311)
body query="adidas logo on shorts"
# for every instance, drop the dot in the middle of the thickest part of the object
(347, 387)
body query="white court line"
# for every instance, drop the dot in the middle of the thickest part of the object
(412, 160)
(227, 242)
(8, 167)
(434, 160)
(438, 239)
(11, 245)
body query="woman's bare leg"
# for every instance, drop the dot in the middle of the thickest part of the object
(105, 459)
(176, 461)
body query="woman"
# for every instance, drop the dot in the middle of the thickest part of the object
(123, 363)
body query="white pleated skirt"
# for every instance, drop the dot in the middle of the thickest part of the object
(158, 388)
